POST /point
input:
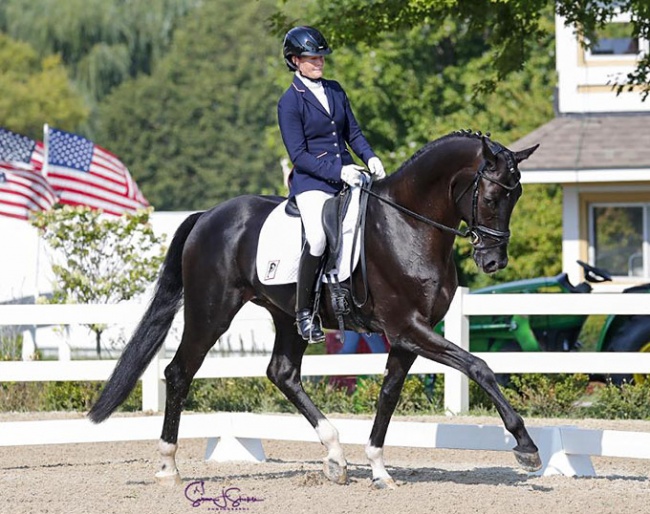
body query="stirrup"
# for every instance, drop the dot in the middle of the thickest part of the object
(309, 326)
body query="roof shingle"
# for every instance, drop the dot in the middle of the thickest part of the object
(588, 141)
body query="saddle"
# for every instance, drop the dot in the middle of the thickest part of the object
(334, 211)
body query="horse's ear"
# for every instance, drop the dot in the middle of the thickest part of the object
(488, 154)
(525, 154)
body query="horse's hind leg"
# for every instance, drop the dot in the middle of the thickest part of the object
(205, 322)
(284, 372)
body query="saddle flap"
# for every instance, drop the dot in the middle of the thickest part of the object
(280, 244)
(334, 212)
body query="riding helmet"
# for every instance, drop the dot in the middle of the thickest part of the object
(303, 41)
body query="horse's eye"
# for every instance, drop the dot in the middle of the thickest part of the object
(490, 202)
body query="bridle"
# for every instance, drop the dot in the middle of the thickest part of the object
(476, 231)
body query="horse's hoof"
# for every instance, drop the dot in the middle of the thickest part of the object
(528, 461)
(383, 483)
(335, 472)
(168, 480)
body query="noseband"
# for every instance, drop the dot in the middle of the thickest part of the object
(475, 230)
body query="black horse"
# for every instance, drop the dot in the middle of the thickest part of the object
(412, 219)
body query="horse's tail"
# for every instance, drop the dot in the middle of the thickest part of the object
(151, 331)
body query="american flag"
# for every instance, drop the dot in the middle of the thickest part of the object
(83, 173)
(22, 190)
(18, 148)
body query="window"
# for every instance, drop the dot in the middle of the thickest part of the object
(615, 39)
(618, 238)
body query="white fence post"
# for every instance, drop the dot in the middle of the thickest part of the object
(153, 384)
(457, 331)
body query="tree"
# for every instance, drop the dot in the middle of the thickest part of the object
(35, 90)
(415, 86)
(512, 28)
(195, 132)
(102, 42)
(99, 259)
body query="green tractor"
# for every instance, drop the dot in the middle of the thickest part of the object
(558, 333)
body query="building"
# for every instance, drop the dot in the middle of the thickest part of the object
(598, 149)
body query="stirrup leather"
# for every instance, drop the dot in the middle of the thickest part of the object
(309, 326)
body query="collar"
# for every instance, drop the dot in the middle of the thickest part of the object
(310, 83)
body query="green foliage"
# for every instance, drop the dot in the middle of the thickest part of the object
(11, 345)
(512, 28)
(547, 395)
(102, 42)
(260, 395)
(105, 259)
(70, 396)
(194, 133)
(34, 90)
(531, 395)
(416, 85)
(58, 396)
(238, 395)
(98, 258)
(629, 401)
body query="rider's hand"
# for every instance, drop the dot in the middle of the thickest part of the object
(376, 168)
(351, 175)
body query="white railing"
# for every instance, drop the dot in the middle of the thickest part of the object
(564, 450)
(456, 329)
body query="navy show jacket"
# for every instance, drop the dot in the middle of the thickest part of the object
(316, 140)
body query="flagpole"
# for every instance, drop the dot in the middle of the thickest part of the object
(37, 291)
(46, 148)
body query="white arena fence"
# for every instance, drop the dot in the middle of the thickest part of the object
(564, 450)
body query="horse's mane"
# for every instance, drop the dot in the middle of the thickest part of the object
(436, 142)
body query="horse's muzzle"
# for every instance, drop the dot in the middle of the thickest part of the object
(491, 259)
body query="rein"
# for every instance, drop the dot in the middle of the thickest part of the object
(475, 230)
(415, 215)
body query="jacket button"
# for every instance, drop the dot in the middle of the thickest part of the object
(332, 122)
(336, 144)
(333, 133)
(338, 155)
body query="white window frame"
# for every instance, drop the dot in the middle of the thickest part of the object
(645, 245)
(644, 48)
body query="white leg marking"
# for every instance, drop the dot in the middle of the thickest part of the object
(329, 436)
(376, 458)
(167, 460)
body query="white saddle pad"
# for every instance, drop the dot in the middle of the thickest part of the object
(280, 245)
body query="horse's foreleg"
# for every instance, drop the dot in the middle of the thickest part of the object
(284, 372)
(427, 343)
(397, 366)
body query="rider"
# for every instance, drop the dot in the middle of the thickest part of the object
(316, 122)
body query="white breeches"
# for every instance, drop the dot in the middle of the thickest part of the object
(310, 204)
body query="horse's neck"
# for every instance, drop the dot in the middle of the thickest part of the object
(427, 184)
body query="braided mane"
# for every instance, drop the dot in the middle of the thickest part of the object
(433, 144)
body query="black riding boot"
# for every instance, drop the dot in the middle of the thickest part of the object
(308, 323)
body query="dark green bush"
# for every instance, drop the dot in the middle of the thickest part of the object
(629, 401)
(530, 394)
(58, 396)
(547, 395)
